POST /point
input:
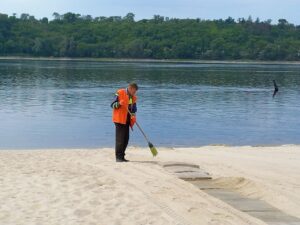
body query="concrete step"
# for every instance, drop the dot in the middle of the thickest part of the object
(186, 171)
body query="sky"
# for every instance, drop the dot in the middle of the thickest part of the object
(204, 9)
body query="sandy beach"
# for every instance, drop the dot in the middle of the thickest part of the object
(88, 187)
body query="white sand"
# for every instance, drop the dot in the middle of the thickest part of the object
(62, 187)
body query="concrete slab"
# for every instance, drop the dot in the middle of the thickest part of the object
(254, 207)
(204, 184)
(251, 205)
(276, 216)
(284, 223)
(223, 194)
(199, 175)
(181, 169)
(186, 171)
(168, 164)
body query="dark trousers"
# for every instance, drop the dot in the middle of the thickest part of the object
(122, 138)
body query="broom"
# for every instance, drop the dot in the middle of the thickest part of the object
(151, 146)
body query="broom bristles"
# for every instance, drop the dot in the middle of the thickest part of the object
(153, 149)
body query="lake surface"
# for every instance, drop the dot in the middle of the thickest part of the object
(64, 104)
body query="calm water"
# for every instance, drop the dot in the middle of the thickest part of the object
(67, 104)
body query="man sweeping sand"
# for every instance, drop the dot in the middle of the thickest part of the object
(124, 109)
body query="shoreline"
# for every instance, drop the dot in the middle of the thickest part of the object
(157, 146)
(125, 60)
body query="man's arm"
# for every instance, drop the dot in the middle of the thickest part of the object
(115, 104)
(133, 109)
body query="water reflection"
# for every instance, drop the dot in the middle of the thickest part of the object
(66, 104)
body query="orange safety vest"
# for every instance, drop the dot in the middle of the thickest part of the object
(120, 114)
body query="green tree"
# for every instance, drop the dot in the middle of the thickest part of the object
(129, 17)
(75, 35)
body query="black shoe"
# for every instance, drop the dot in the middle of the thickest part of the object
(119, 160)
(125, 160)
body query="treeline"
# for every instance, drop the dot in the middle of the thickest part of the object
(75, 35)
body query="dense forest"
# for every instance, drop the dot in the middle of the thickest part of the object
(75, 35)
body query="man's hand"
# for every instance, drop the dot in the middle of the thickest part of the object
(116, 105)
(132, 120)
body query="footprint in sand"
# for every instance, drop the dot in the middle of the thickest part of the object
(119, 194)
(95, 202)
(4, 215)
(117, 222)
(90, 186)
(82, 212)
(191, 209)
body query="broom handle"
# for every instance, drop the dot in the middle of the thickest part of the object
(142, 132)
(140, 128)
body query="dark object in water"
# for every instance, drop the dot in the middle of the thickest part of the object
(276, 89)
